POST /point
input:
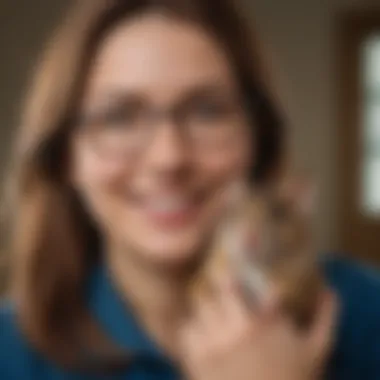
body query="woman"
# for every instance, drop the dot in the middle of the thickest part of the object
(140, 114)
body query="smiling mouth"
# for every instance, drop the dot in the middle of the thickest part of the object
(171, 211)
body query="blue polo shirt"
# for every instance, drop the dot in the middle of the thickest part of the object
(356, 355)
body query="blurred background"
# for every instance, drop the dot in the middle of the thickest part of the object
(325, 55)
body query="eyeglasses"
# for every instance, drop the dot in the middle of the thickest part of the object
(125, 129)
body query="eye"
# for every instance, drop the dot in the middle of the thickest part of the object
(210, 109)
(115, 114)
(121, 117)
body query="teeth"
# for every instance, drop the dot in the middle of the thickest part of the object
(168, 205)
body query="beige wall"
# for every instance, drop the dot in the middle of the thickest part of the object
(299, 36)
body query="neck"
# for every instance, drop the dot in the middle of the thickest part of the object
(157, 296)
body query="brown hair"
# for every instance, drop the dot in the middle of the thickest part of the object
(54, 242)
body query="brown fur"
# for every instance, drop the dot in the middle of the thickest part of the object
(282, 251)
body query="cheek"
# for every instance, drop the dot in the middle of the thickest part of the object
(230, 164)
(98, 182)
(89, 171)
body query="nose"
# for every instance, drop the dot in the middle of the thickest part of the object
(167, 152)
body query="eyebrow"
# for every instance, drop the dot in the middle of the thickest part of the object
(121, 95)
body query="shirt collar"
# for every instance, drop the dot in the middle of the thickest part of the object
(116, 317)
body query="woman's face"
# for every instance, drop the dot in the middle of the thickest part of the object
(162, 134)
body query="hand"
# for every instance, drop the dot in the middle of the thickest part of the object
(225, 341)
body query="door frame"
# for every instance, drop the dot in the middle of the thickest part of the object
(352, 29)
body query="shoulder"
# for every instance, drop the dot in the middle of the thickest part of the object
(19, 360)
(16, 356)
(357, 286)
(358, 335)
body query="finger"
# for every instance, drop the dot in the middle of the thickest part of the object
(230, 301)
(253, 296)
(206, 310)
(322, 332)
(192, 345)
(209, 316)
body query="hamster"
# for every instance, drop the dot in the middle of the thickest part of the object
(265, 242)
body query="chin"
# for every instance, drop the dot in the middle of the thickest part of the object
(171, 251)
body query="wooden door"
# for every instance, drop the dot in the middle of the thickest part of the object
(358, 138)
